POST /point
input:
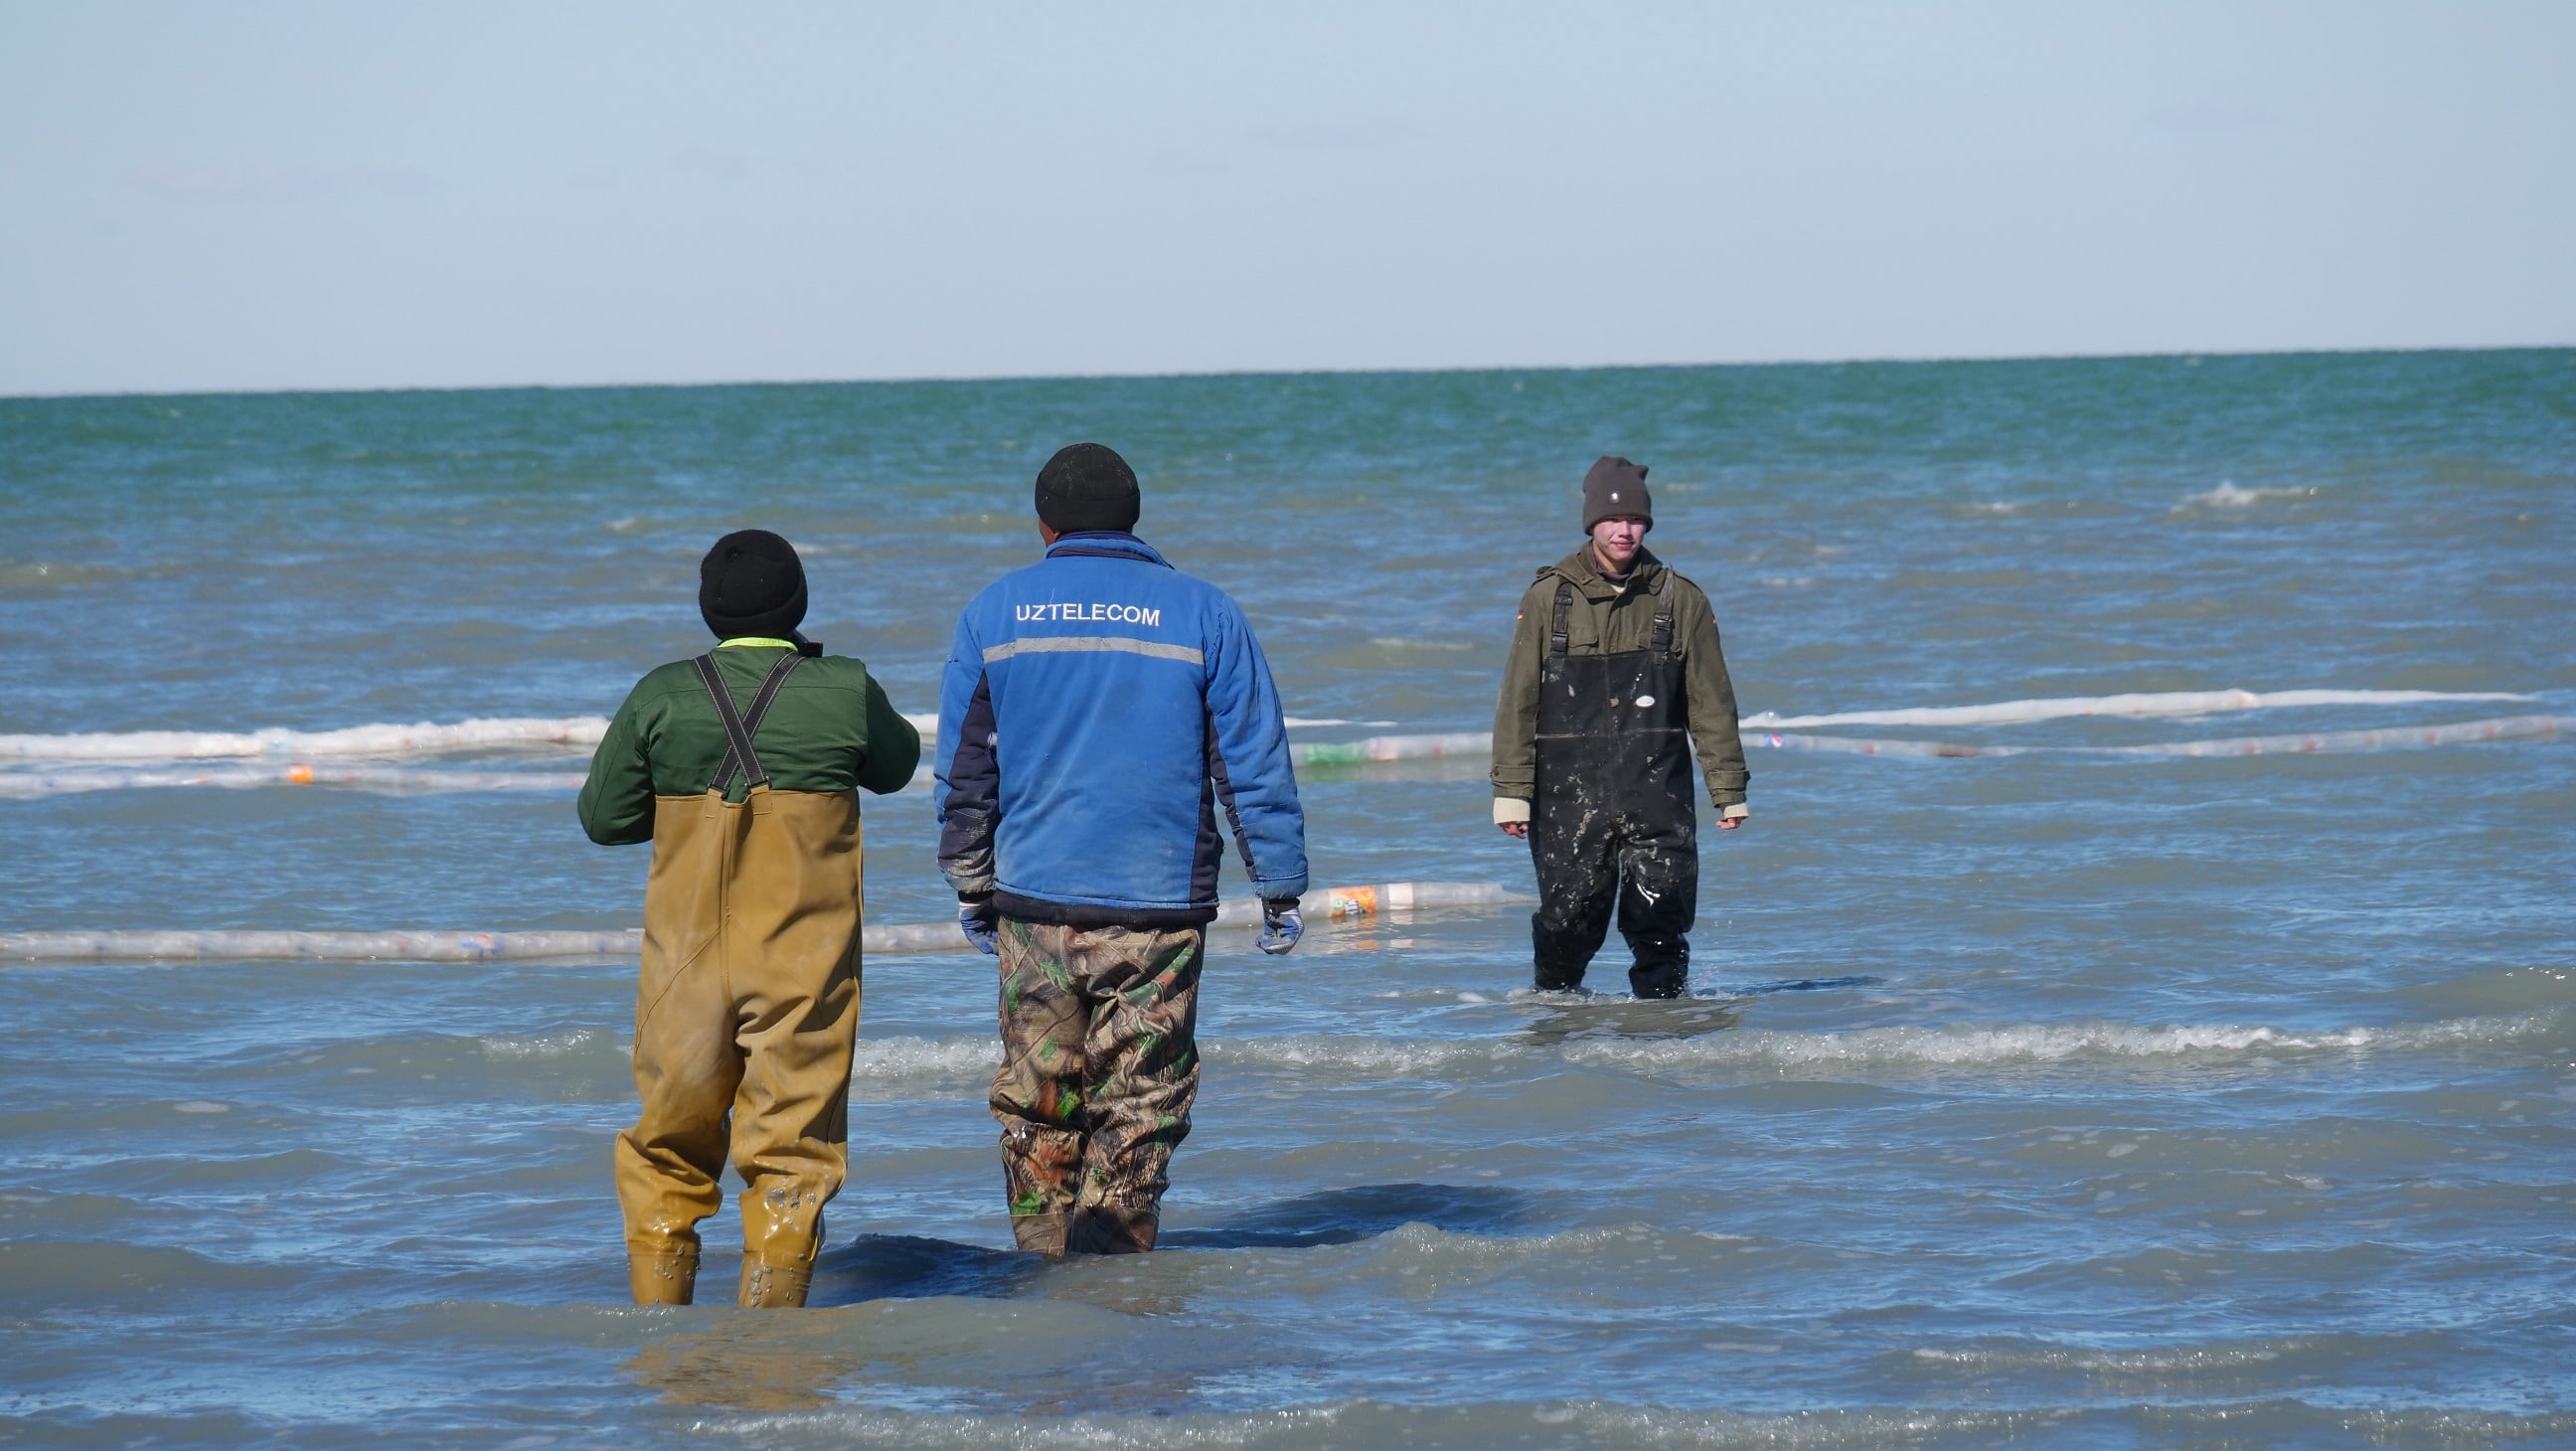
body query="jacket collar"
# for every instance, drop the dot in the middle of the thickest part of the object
(1585, 572)
(1115, 543)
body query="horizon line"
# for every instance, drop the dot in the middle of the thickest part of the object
(1925, 360)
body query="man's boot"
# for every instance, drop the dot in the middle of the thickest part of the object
(662, 1277)
(772, 1287)
(1662, 967)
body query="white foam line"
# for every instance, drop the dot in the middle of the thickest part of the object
(2150, 705)
(1322, 905)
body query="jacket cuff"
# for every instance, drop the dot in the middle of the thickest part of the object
(1734, 811)
(1509, 809)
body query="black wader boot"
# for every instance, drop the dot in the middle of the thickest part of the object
(1614, 783)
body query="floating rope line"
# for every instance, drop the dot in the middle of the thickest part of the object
(1330, 903)
(1394, 748)
(1763, 730)
(2158, 704)
(366, 778)
(2395, 738)
(414, 781)
(426, 738)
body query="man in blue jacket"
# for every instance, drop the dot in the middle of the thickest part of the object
(1101, 710)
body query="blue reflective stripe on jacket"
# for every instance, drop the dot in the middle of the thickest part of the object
(1104, 719)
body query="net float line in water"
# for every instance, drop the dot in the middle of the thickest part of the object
(394, 780)
(400, 779)
(425, 738)
(2394, 738)
(415, 780)
(1329, 903)
(1395, 748)
(2142, 706)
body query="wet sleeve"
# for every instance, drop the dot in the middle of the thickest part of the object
(894, 747)
(1250, 765)
(1712, 715)
(617, 797)
(1516, 710)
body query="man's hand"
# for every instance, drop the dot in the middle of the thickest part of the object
(1517, 830)
(1281, 925)
(1729, 823)
(975, 919)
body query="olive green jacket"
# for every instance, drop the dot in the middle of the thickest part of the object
(830, 729)
(1606, 619)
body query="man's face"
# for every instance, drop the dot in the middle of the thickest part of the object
(1616, 540)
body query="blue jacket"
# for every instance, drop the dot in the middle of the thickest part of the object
(1100, 708)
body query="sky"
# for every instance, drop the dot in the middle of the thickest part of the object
(253, 195)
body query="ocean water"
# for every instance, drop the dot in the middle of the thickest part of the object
(2070, 1097)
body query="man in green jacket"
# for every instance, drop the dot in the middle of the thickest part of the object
(1615, 674)
(743, 768)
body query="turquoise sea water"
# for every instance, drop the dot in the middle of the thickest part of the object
(2048, 1099)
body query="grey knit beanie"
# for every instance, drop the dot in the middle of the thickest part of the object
(1614, 488)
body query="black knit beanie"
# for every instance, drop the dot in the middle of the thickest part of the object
(751, 583)
(1616, 488)
(1087, 486)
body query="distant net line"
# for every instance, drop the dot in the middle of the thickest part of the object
(884, 938)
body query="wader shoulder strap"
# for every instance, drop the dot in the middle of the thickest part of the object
(1663, 641)
(738, 727)
(1564, 609)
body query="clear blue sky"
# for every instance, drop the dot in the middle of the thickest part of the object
(257, 195)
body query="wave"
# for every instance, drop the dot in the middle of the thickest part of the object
(2137, 706)
(2228, 496)
(577, 1043)
(1943, 1047)
(2169, 1360)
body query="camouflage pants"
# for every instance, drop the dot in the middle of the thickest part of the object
(1099, 1066)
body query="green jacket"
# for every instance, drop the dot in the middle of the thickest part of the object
(830, 729)
(1607, 619)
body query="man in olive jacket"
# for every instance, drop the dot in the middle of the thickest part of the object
(743, 768)
(1615, 674)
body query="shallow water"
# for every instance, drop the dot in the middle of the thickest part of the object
(2041, 1099)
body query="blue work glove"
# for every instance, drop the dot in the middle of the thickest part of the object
(1281, 925)
(975, 919)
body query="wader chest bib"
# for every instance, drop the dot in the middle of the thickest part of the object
(748, 1005)
(1614, 801)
